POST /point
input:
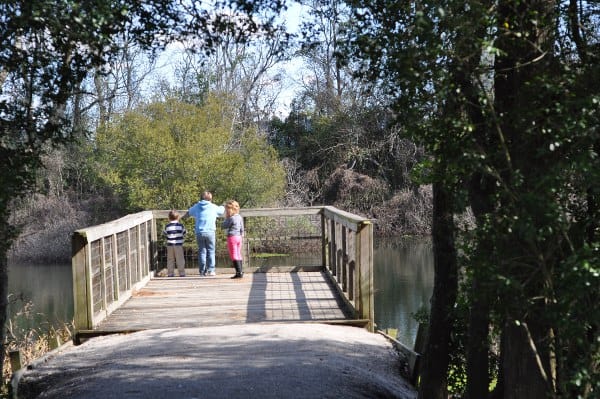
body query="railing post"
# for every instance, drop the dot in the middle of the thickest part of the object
(364, 257)
(116, 285)
(103, 288)
(324, 241)
(344, 258)
(82, 300)
(146, 266)
(140, 262)
(332, 248)
(128, 265)
(352, 280)
(154, 245)
(149, 255)
(246, 249)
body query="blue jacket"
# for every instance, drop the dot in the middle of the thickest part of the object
(206, 213)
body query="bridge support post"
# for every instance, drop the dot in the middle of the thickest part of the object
(82, 301)
(364, 248)
(153, 246)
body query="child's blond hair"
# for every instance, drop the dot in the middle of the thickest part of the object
(232, 206)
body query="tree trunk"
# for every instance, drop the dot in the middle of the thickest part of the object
(478, 379)
(3, 303)
(436, 358)
(523, 370)
(522, 59)
(481, 189)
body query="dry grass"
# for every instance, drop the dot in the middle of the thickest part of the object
(47, 222)
(30, 343)
(408, 212)
(404, 212)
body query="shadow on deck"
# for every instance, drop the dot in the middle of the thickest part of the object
(194, 301)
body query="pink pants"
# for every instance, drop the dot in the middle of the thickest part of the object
(234, 245)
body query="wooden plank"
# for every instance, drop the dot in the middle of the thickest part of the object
(347, 219)
(344, 298)
(256, 212)
(116, 226)
(276, 212)
(282, 238)
(364, 245)
(324, 241)
(210, 301)
(285, 269)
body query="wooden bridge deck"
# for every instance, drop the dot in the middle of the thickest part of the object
(196, 301)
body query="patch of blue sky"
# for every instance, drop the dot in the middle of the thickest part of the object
(288, 73)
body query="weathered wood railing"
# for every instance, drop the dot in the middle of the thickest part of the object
(113, 259)
(109, 261)
(348, 240)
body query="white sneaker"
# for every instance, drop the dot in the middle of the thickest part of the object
(212, 273)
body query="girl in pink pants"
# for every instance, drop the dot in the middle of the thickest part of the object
(234, 226)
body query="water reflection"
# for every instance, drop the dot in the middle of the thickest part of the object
(49, 288)
(403, 279)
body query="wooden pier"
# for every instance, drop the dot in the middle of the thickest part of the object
(203, 335)
(115, 288)
(196, 301)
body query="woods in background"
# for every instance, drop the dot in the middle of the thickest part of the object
(476, 122)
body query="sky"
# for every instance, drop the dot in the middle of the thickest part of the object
(293, 68)
(290, 71)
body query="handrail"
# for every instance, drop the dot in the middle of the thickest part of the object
(348, 240)
(112, 260)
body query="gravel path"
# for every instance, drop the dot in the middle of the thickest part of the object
(247, 361)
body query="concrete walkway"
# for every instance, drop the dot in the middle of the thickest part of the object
(298, 360)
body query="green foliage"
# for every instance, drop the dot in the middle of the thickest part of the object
(47, 48)
(505, 100)
(340, 122)
(165, 154)
(579, 279)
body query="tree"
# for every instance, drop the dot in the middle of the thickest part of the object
(48, 48)
(240, 71)
(239, 68)
(495, 93)
(163, 155)
(338, 127)
(118, 84)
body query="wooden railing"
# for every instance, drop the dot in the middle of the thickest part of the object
(113, 259)
(109, 261)
(348, 240)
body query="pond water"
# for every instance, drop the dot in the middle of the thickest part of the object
(403, 279)
(45, 290)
